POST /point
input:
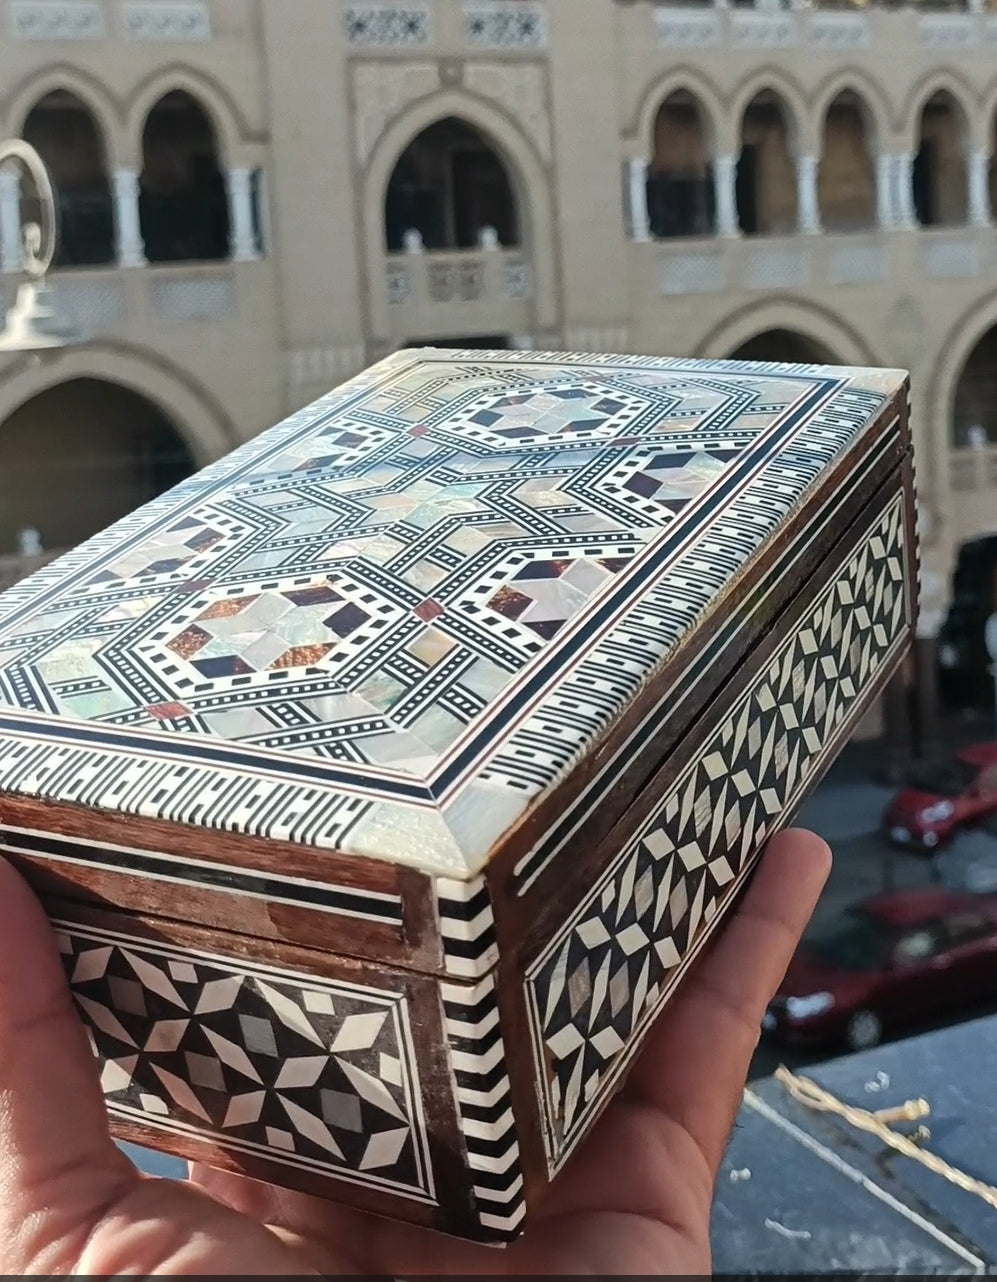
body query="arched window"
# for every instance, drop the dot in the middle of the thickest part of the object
(80, 456)
(939, 177)
(766, 174)
(183, 203)
(974, 420)
(64, 133)
(783, 345)
(450, 186)
(680, 181)
(846, 183)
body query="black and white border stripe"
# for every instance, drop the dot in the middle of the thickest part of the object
(467, 927)
(484, 1103)
(301, 892)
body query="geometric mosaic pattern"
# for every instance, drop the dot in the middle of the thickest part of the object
(276, 628)
(358, 600)
(603, 977)
(312, 1073)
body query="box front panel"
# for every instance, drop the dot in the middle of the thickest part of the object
(309, 1072)
(593, 991)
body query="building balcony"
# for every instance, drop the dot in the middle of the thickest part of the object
(456, 292)
(860, 259)
(158, 305)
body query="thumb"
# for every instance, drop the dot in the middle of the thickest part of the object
(59, 1168)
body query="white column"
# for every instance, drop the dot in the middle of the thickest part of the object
(979, 187)
(807, 206)
(11, 243)
(903, 173)
(636, 179)
(240, 204)
(725, 191)
(886, 215)
(128, 228)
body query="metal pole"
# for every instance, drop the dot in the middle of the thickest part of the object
(990, 638)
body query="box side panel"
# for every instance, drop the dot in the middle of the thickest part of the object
(560, 834)
(287, 1065)
(588, 987)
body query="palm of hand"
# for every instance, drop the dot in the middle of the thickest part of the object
(636, 1199)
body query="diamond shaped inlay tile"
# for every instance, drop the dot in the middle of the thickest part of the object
(544, 594)
(176, 548)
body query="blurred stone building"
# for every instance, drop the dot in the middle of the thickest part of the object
(259, 197)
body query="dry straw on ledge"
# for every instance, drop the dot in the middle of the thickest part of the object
(880, 1124)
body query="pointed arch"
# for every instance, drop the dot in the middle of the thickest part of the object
(681, 80)
(202, 422)
(944, 80)
(819, 325)
(528, 174)
(941, 152)
(875, 105)
(183, 205)
(960, 343)
(227, 118)
(766, 188)
(846, 181)
(106, 110)
(775, 81)
(680, 183)
(66, 134)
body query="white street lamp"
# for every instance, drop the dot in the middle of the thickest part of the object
(33, 324)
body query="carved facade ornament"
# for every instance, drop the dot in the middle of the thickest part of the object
(520, 89)
(381, 24)
(505, 24)
(451, 73)
(160, 20)
(836, 31)
(687, 28)
(381, 92)
(759, 30)
(52, 20)
(949, 30)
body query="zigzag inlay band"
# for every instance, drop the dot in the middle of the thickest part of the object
(484, 1103)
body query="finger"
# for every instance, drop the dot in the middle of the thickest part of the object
(696, 1063)
(58, 1165)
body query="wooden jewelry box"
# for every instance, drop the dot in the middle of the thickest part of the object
(383, 779)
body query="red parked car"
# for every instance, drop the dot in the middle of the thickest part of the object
(886, 962)
(944, 798)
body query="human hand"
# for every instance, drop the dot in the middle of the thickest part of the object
(635, 1199)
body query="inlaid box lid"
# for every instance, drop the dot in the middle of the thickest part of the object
(391, 624)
